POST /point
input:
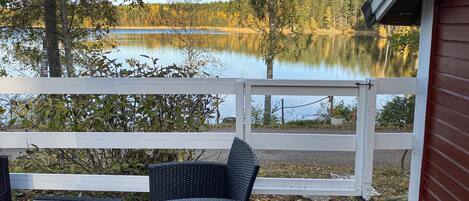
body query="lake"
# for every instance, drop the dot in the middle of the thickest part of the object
(238, 55)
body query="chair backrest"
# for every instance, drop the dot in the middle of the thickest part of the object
(5, 189)
(184, 180)
(242, 169)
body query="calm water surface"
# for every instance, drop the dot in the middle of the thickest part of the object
(238, 56)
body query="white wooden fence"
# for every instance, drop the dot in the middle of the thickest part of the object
(363, 143)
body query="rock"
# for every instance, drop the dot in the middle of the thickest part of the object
(229, 120)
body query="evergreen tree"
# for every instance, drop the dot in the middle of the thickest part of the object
(344, 14)
(328, 18)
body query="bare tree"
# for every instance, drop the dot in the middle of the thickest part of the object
(189, 36)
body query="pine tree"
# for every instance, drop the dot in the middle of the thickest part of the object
(328, 18)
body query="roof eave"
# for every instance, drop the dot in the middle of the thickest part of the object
(392, 12)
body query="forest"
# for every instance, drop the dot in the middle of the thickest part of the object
(321, 14)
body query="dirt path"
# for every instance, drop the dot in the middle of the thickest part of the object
(381, 157)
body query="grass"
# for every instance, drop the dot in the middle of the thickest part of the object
(389, 181)
(316, 123)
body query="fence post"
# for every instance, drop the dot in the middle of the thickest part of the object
(240, 120)
(366, 118)
(283, 112)
(247, 114)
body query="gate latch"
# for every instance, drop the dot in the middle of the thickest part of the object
(367, 84)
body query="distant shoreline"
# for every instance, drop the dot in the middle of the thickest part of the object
(219, 29)
(321, 32)
(246, 30)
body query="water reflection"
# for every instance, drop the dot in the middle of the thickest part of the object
(328, 57)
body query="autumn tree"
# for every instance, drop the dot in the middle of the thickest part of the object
(19, 20)
(36, 29)
(406, 39)
(346, 13)
(279, 24)
(329, 18)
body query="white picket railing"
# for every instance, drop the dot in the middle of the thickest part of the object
(363, 143)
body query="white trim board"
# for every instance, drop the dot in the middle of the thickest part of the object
(381, 7)
(423, 73)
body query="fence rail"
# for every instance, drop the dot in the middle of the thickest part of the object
(132, 183)
(363, 142)
(117, 86)
(202, 140)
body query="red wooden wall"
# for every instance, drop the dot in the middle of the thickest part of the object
(445, 172)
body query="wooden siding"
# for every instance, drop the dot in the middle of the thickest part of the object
(445, 170)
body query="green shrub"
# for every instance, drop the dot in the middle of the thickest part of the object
(110, 113)
(257, 116)
(340, 110)
(399, 112)
(347, 112)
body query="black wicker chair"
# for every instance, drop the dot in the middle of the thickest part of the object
(200, 181)
(5, 189)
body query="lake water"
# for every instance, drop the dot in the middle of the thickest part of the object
(239, 56)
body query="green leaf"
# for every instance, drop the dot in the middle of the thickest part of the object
(12, 122)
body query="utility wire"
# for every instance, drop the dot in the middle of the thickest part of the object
(297, 106)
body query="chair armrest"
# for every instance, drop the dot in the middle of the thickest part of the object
(5, 189)
(186, 180)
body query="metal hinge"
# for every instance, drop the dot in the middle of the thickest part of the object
(367, 84)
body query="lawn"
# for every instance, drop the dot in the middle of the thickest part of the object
(390, 181)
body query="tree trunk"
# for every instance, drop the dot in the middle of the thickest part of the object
(403, 160)
(44, 70)
(269, 59)
(268, 98)
(53, 55)
(67, 39)
(357, 16)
